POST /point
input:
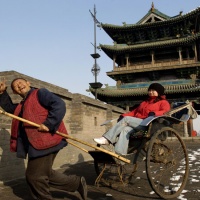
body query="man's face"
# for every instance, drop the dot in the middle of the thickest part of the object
(21, 87)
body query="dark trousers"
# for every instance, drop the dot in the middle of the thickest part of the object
(40, 177)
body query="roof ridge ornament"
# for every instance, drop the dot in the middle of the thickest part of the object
(152, 7)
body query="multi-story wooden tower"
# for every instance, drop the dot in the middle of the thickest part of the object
(158, 48)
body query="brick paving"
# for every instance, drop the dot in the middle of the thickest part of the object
(139, 189)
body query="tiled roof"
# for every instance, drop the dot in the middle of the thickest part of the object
(169, 89)
(157, 44)
(157, 23)
(156, 12)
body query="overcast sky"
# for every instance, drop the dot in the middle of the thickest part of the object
(51, 40)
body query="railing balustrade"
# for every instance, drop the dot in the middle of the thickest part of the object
(147, 65)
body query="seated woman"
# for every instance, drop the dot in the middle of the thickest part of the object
(129, 123)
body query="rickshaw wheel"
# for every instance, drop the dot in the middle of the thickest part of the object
(167, 163)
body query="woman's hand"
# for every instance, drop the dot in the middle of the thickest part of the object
(120, 118)
(151, 114)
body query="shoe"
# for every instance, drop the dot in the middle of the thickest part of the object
(101, 140)
(82, 189)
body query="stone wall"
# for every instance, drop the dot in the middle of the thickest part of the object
(83, 119)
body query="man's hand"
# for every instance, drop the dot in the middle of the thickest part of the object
(2, 86)
(43, 128)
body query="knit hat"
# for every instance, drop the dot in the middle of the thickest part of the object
(158, 88)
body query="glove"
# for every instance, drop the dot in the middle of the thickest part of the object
(120, 118)
(151, 114)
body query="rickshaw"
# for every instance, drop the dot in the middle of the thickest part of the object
(162, 149)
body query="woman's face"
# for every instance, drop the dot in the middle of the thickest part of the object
(152, 93)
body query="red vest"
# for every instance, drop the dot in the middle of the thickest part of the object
(34, 112)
